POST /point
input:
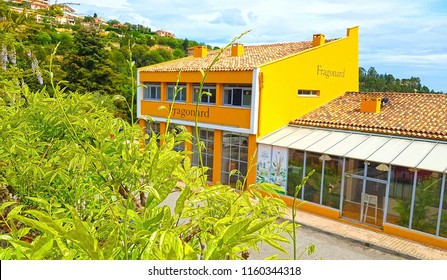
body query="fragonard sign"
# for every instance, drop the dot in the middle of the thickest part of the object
(329, 72)
(182, 112)
(220, 115)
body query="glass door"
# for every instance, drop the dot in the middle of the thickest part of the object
(363, 200)
(352, 198)
(372, 202)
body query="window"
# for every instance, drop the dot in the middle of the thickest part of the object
(153, 129)
(152, 91)
(181, 92)
(207, 137)
(205, 97)
(305, 92)
(426, 201)
(234, 156)
(178, 130)
(236, 95)
(295, 171)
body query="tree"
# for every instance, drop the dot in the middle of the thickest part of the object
(371, 80)
(185, 45)
(88, 69)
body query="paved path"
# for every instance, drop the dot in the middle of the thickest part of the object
(372, 238)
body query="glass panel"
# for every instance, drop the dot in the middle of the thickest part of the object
(443, 227)
(227, 97)
(295, 171)
(181, 92)
(212, 98)
(207, 137)
(234, 155)
(377, 170)
(352, 198)
(313, 184)
(246, 98)
(399, 201)
(426, 204)
(170, 93)
(237, 97)
(354, 166)
(332, 181)
(372, 203)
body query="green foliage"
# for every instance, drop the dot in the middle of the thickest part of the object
(87, 189)
(370, 81)
(88, 58)
(81, 185)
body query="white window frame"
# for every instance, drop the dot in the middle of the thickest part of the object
(206, 99)
(229, 89)
(308, 92)
(149, 94)
(181, 94)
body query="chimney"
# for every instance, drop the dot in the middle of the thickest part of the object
(318, 40)
(370, 105)
(237, 49)
(200, 51)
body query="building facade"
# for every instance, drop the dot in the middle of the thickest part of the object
(253, 90)
(379, 159)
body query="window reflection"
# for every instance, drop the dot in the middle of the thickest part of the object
(313, 184)
(426, 203)
(355, 166)
(399, 201)
(295, 171)
(443, 226)
(333, 169)
(234, 156)
(207, 137)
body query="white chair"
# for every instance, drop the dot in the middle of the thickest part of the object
(367, 201)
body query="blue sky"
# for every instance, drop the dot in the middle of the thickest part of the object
(400, 37)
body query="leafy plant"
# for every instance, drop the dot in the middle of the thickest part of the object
(84, 186)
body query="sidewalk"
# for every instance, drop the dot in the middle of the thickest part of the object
(374, 239)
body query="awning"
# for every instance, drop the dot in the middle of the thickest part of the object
(389, 149)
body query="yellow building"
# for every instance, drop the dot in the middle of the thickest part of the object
(254, 91)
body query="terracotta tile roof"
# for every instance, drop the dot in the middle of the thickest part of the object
(254, 56)
(417, 115)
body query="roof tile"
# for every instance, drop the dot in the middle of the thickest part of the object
(420, 115)
(254, 56)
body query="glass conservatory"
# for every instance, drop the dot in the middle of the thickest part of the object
(372, 179)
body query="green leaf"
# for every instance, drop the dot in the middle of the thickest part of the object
(41, 247)
(111, 244)
(22, 232)
(235, 231)
(67, 254)
(41, 201)
(6, 204)
(5, 237)
(260, 225)
(39, 225)
(180, 203)
(276, 245)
